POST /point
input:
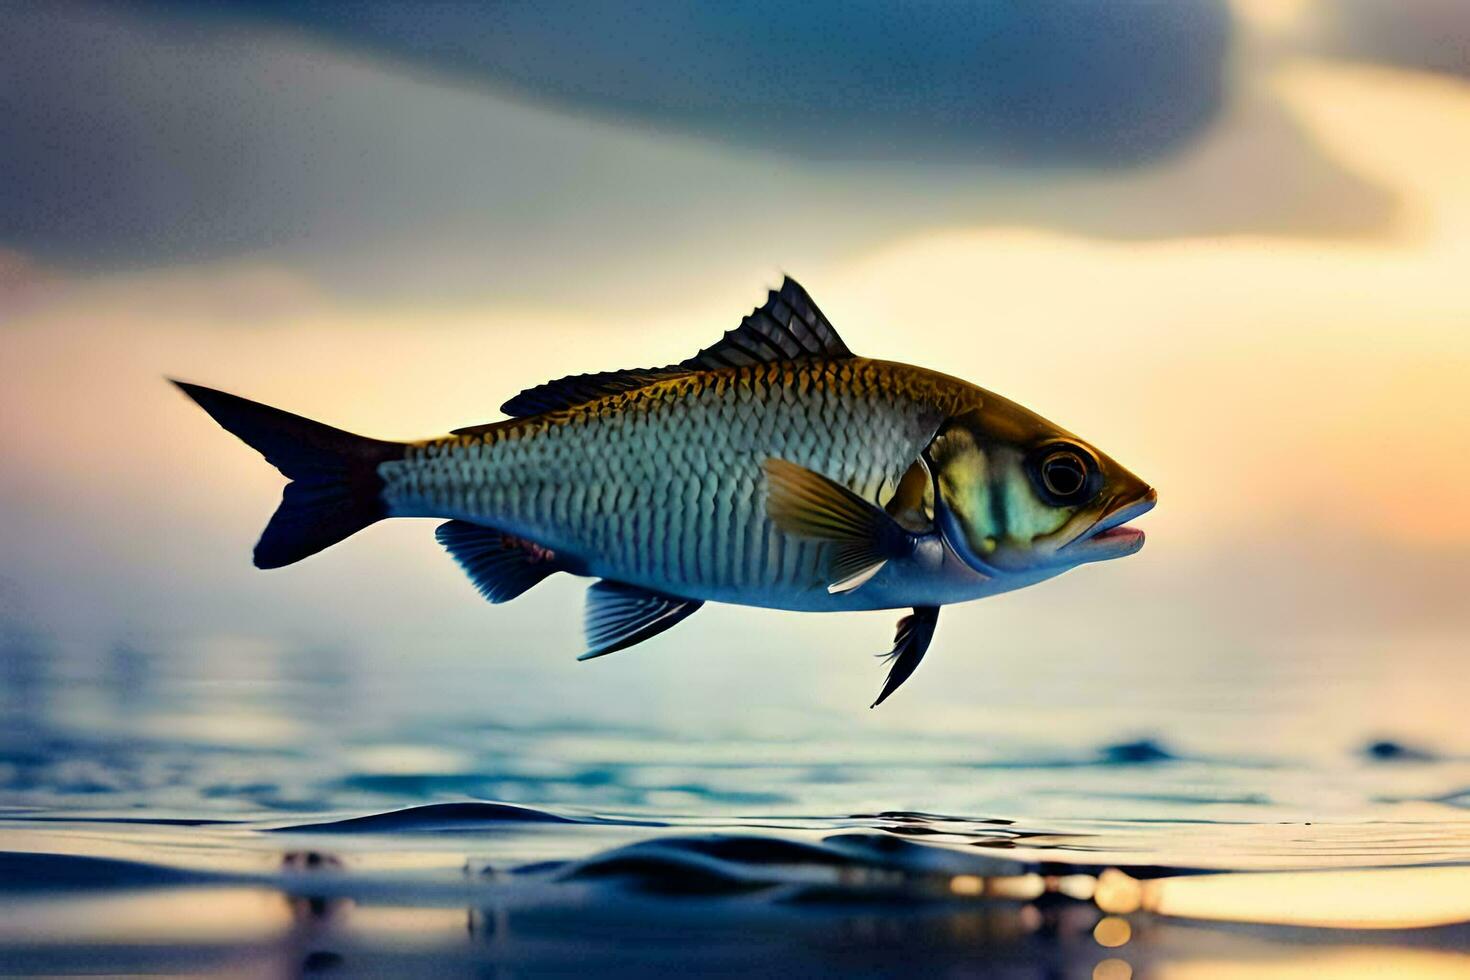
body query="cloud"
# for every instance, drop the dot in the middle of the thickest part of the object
(189, 140)
(1044, 81)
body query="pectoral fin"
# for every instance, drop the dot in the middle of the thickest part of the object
(909, 646)
(621, 615)
(808, 505)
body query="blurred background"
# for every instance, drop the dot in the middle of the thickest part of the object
(1227, 242)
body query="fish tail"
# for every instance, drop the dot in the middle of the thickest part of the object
(335, 490)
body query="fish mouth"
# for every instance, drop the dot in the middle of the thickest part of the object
(1110, 537)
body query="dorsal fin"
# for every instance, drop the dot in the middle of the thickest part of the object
(787, 327)
(578, 389)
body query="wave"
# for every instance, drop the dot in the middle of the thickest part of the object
(449, 817)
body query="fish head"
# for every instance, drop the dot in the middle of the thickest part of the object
(1015, 494)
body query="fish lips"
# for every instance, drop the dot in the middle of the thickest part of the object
(1110, 537)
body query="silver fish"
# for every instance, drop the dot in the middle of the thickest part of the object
(774, 468)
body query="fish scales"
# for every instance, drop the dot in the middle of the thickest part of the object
(662, 486)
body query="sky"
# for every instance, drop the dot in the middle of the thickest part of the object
(1226, 243)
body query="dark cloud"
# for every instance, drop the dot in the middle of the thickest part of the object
(1053, 81)
(138, 136)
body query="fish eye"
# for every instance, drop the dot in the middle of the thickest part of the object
(1065, 474)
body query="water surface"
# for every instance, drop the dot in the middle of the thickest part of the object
(233, 804)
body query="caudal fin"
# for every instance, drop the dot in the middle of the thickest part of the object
(335, 490)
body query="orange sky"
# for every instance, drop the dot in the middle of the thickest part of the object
(1293, 398)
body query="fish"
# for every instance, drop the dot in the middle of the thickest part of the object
(774, 468)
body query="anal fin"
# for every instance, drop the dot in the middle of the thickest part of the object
(501, 566)
(621, 615)
(809, 505)
(909, 646)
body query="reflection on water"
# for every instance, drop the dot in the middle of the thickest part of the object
(674, 902)
(1380, 899)
(230, 805)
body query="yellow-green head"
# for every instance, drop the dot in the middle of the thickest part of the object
(1015, 493)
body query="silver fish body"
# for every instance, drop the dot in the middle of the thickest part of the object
(663, 486)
